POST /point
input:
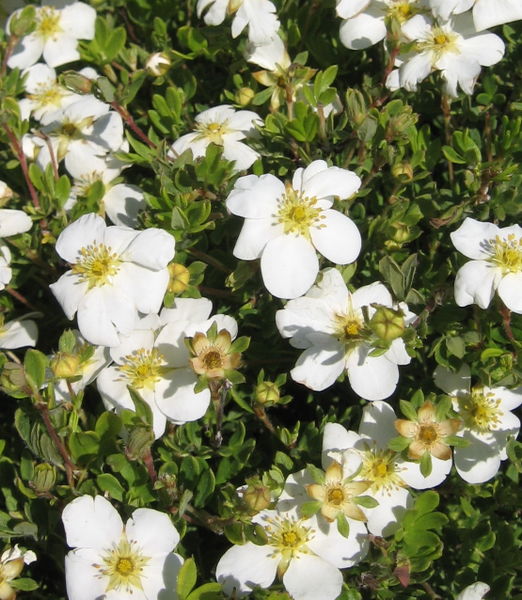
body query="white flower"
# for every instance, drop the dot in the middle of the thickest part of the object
(77, 132)
(18, 333)
(389, 475)
(488, 422)
(454, 48)
(158, 64)
(121, 202)
(486, 13)
(44, 94)
(475, 591)
(13, 222)
(5, 270)
(56, 35)
(365, 22)
(298, 550)
(223, 126)
(114, 561)
(115, 272)
(496, 264)
(259, 15)
(285, 225)
(328, 323)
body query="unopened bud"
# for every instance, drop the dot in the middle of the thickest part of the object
(158, 64)
(64, 365)
(402, 171)
(267, 393)
(257, 497)
(139, 442)
(387, 323)
(23, 22)
(179, 278)
(76, 82)
(13, 381)
(44, 478)
(244, 96)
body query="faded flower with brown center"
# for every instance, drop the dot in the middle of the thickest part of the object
(213, 355)
(427, 433)
(336, 494)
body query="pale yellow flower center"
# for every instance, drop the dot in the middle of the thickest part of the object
(440, 42)
(402, 10)
(506, 253)
(380, 469)
(213, 132)
(83, 186)
(297, 213)
(288, 536)
(97, 265)
(123, 565)
(143, 368)
(480, 411)
(335, 496)
(349, 326)
(48, 24)
(48, 95)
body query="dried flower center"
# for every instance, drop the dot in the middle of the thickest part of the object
(143, 368)
(48, 22)
(428, 434)
(297, 213)
(123, 565)
(506, 253)
(213, 359)
(379, 467)
(97, 265)
(480, 411)
(335, 496)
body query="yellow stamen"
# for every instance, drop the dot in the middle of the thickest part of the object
(97, 265)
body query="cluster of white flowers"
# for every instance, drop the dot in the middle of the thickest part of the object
(448, 36)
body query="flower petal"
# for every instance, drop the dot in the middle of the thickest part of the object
(244, 567)
(475, 283)
(91, 523)
(336, 237)
(153, 531)
(309, 577)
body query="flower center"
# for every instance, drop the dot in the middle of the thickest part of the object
(506, 253)
(401, 10)
(48, 95)
(233, 6)
(335, 496)
(96, 265)
(428, 434)
(349, 327)
(288, 536)
(48, 22)
(213, 131)
(297, 213)
(123, 565)
(143, 368)
(481, 411)
(213, 359)
(440, 42)
(380, 469)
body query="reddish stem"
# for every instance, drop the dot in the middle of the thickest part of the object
(23, 164)
(127, 117)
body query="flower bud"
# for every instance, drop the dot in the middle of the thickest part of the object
(402, 171)
(23, 22)
(139, 442)
(64, 365)
(267, 393)
(13, 381)
(44, 478)
(244, 96)
(76, 82)
(387, 323)
(257, 497)
(179, 278)
(6, 193)
(158, 64)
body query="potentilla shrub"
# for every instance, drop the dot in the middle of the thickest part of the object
(260, 308)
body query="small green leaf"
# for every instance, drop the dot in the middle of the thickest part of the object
(208, 591)
(109, 484)
(408, 410)
(308, 509)
(35, 364)
(425, 464)
(366, 501)
(399, 443)
(316, 473)
(187, 578)
(342, 524)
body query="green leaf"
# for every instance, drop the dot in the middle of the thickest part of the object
(35, 364)
(366, 501)
(307, 509)
(109, 484)
(24, 584)
(427, 502)
(408, 410)
(208, 591)
(425, 464)
(452, 155)
(491, 353)
(187, 578)
(83, 444)
(342, 524)
(316, 473)
(142, 408)
(399, 443)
